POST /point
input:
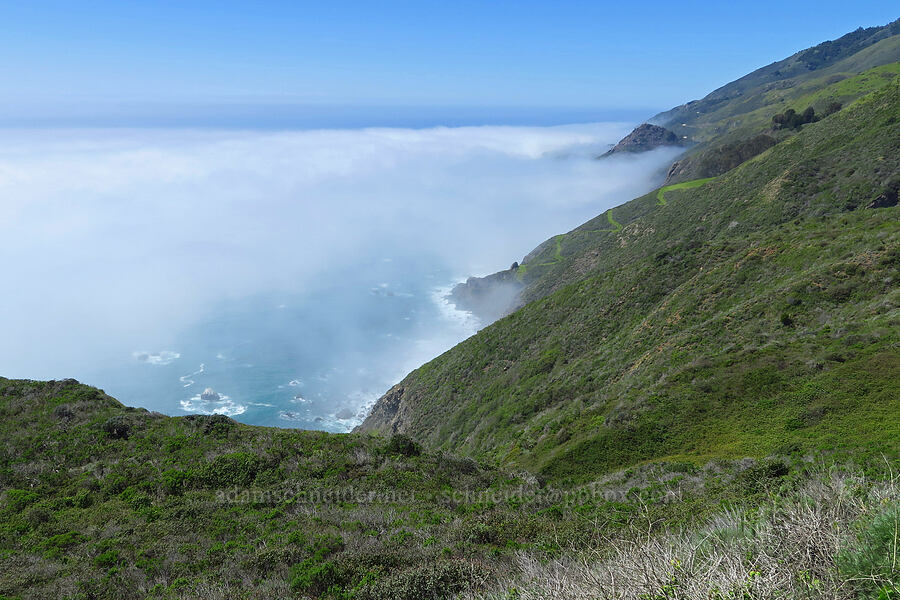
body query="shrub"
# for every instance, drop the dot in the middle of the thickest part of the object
(726, 157)
(109, 558)
(453, 465)
(831, 108)
(426, 582)
(212, 425)
(316, 574)
(873, 560)
(118, 428)
(174, 481)
(17, 500)
(402, 444)
(791, 119)
(235, 469)
(316, 577)
(64, 540)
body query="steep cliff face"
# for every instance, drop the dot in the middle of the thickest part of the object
(647, 137)
(389, 410)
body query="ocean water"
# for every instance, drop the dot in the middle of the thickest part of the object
(315, 360)
(292, 275)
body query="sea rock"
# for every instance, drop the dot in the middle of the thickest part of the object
(210, 395)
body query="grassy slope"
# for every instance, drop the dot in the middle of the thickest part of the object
(753, 314)
(86, 514)
(541, 270)
(102, 501)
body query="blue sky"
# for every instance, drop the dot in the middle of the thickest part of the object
(89, 59)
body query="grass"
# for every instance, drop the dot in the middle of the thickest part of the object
(833, 537)
(686, 185)
(204, 507)
(755, 314)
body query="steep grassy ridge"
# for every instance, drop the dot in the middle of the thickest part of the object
(728, 107)
(754, 314)
(541, 269)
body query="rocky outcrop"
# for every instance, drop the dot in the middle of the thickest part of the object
(647, 137)
(386, 416)
(888, 198)
(491, 297)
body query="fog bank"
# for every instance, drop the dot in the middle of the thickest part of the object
(115, 245)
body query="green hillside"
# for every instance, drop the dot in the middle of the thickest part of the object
(746, 135)
(735, 137)
(757, 313)
(102, 501)
(733, 123)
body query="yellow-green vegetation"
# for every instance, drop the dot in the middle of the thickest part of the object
(616, 226)
(555, 258)
(686, 185)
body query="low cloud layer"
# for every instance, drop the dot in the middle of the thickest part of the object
(114, 242)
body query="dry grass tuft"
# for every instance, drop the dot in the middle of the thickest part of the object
(787, 549)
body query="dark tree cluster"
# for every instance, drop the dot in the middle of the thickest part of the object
(791, 119)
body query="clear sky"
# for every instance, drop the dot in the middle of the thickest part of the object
(92, 58)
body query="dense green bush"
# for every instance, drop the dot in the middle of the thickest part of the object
(791, 119)
(872, 563)
(235, 469)
(402, 444)
(428, 582)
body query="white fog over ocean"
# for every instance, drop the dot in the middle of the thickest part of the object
(299, 274)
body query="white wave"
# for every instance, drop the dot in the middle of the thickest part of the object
(186, 379)
(295, 383)
(223, 406)
(163, 357)
(467, 322)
